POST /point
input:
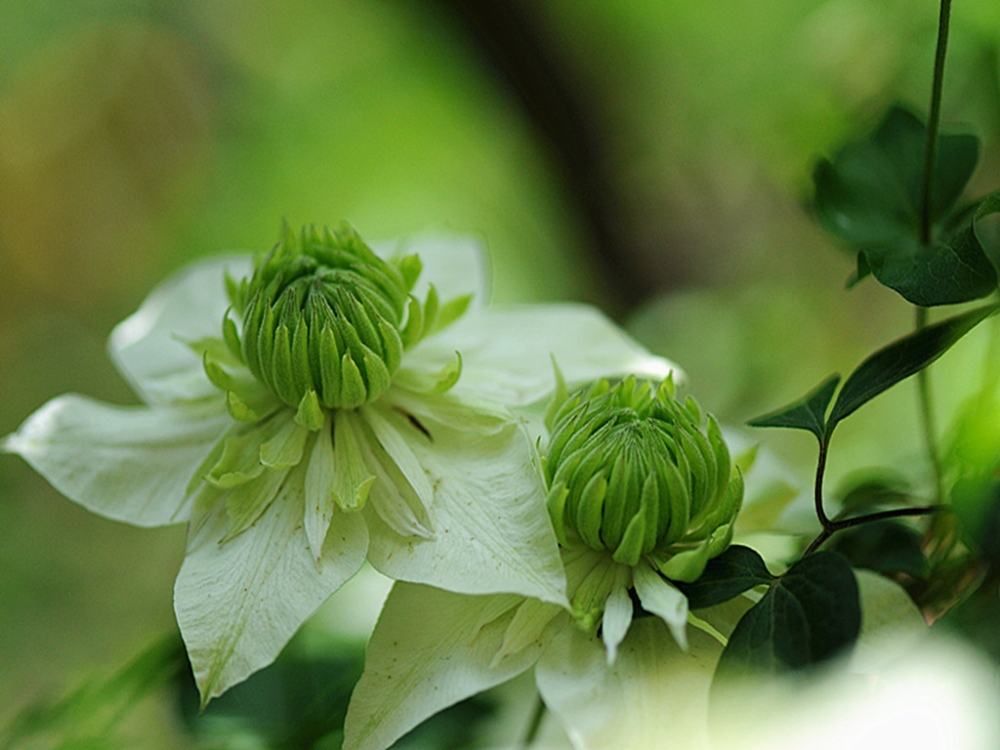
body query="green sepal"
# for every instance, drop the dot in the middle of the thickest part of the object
(240, 459)
(352, 385)
(310, 414)
(414, 327)
(559, 397)
(244, 408)
(590, 511)
(231, 336)
(410, 266)
(556, 504)
(216, 374)
(686, 566)
(246, 503)
(284, 449)
(451, 311)
(431, 304)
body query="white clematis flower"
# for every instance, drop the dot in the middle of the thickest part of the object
(640, 494)
(319, 407)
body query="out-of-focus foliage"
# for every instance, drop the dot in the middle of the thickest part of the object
(138, 134)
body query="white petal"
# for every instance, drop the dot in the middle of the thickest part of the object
(617, 618)
(531, 619)
(891, 624)
(662, 599)
(319, 490)
(132, 464)
(239, 603)
(429, 650)
(387, 429)
(491, 530)
(148, 347)
(458, 411)
(654, 696)
(507, 352)
(455, 265)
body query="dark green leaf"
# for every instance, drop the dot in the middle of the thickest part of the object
(872, 489)
(989, 243)
(808, 615)
(870, 196)
(808, 413)
(946, 272)
(883, 546)
(903, 358)
(726, 576)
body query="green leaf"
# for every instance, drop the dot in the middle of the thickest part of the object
(870, 196)
(873, 489)
(948, 271)
(809, 614)
(730, 574)
(808, 413)
(870, 192)
(883, 546)
(903, 358)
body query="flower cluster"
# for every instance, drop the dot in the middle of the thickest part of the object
(319, 405)
(641, 489)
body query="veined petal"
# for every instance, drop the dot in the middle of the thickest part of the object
(319, 497)
(455, 265)
(663, 600)
(388, 431)
(460, 412)
(352, 470)
(617, 618)
(429, 650)
(491, 529)
(128, 463)
(238, 603)
(654, 695)
(507, 352)
(530, 621)
(149, 348)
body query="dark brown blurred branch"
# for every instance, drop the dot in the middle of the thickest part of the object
(513, 43)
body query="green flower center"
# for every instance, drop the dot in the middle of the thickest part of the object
(632, 471)
(322, 314)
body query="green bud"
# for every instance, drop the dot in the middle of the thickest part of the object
(632, 471)
(322, 320)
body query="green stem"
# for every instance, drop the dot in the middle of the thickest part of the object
(927, 415)
(933, 123)
(818, 489)
(534, 724)
(883, 515)
(831, 526)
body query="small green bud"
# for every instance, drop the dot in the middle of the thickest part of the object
(632, 471)
(322, 320)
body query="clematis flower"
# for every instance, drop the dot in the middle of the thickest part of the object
(316, 406)
(642, 491)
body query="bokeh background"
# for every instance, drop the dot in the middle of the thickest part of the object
(652, 157)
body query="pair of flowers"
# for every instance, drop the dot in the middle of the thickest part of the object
(325, 404)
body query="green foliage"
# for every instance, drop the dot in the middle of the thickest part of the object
(90, 715)
(879, 372)
(901, 359)
(808, 615)
(736, 570)
(872, 196)
(808, 413)
(887, 547)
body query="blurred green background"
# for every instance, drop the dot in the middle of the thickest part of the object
(651, 157)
